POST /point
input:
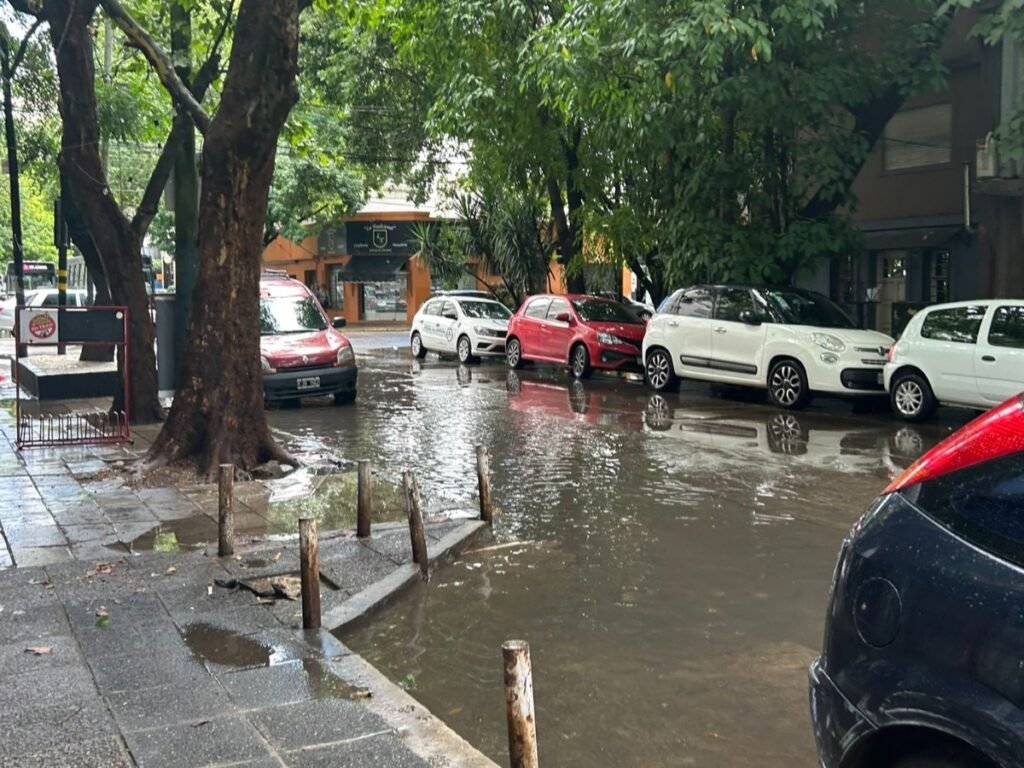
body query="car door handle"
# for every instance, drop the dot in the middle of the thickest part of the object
(673, 324)
(988, 359)
(720, 329)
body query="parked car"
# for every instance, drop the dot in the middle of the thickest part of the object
(582, 332)
(644, 311)
(967, 354)
(921, 661)
(465, 293)
(790, 341)
(468, 326)
(41, 297)
(303, 355)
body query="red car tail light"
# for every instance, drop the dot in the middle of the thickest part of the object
(1000, 432)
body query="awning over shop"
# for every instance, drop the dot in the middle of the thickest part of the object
(373, 269)
(909, 239)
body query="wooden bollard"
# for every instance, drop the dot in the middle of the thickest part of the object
(483, 476)
(365, 500)
(225, 511)
(419, 539)
(309, 573)
(522, 725)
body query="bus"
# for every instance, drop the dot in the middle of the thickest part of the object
(38, 274)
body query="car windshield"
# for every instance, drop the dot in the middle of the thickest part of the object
(596, 311)
(289, 314)
(806, 308)
(485, 310)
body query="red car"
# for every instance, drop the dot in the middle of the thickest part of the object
(303, 355)
(583, 332)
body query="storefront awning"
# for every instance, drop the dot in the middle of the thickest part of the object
(373, 269)
(909, 239)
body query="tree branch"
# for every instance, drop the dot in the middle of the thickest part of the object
(160, 62)
(23, 48)
(30, 7)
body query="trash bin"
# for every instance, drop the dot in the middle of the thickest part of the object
(166, 344)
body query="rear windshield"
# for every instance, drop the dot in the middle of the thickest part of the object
(485, 310)
(290, 315)
(595, 311)
(983, 504)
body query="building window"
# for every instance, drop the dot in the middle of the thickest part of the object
(336, 288)
(940, 278)
(918, 138)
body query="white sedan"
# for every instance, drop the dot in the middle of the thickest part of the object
(469, 327)
(41, 297)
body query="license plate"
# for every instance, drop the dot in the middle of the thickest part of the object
(312, 382)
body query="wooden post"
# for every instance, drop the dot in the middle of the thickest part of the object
(419, 540)
(365, 500)
(522, 726)
(225, 512)
(309, 573)
(483, 476)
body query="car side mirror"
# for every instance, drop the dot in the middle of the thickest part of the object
(563, 317)
(450, 316)
(339, 322)
(749, 317)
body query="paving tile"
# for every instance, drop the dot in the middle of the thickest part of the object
(80, 534)
(355, 566)
(27, 557)
(15, 660)
(104, 752)
(77, 513)
(224, 740)
(385, 749)
(53, 727)
(33, 623)
(394, 546)
(28, 536)
(323, 721)
(155, 667)
(290, 683)
(55, 686)
(169, 705)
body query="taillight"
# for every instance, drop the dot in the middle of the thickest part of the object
(1000, 432)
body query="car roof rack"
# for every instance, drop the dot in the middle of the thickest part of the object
(276, 272)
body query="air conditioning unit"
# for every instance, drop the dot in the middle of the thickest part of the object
(987, 158)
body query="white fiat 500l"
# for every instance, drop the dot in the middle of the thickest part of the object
(467, 327)
(789, 341)
(968, 354)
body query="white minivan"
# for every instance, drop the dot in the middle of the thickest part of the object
(968, 354)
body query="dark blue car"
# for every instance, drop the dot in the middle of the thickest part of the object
(923, 658)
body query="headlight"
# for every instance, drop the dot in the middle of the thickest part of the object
(608, 338)
(481, 330)
(346, 355)
(266, 365)
(828, 341)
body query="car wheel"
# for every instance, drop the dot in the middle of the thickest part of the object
(911, 397)
(787, 384)
(579, 362)
(659, 373)
(512, 383)
(418, 350)
(942, 756)
(344, 398)
(465, 350)
(514, 354)
(786, 435)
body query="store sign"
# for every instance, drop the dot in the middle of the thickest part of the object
(331, 241)
(384, 238)
(39, 326)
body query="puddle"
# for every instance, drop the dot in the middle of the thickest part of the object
(324, 684)
(172, 536)
(330, 499)
(230, 649)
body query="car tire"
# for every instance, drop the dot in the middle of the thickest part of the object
(514, 353)
(911, 397)
(416, 344)
(464, 348)
(787, 384)
(344, 398)
(579, 362)
(658, 371)
(943, 756)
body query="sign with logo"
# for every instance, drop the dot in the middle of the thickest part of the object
(39, 326)
(384, 238)
(331, 241)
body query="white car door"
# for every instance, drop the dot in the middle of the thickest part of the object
(948, 345)
(447, 323)
(999, 359)
(737, 340)
(686, 331)
(430, 325)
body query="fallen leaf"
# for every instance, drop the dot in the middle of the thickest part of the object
(102, 612)
(171, 570)
(100, 568)
(40, 650)
(289, 587)
(277, 557)
(198, 723)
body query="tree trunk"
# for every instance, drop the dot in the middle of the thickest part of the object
(218, 414)
(105, 228)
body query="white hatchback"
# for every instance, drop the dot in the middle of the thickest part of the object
(968, 354)
(41, 297)
(469, 327)
(789, 341)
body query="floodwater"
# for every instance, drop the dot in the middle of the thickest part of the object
(667, 557)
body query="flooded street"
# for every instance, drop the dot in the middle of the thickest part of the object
(667, 557)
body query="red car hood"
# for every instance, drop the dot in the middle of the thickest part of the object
(627, 331)
(291, 350)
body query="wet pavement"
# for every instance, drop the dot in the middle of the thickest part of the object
(667, 557)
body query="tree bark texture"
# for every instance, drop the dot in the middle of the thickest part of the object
(103, 229)
(218, 414)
